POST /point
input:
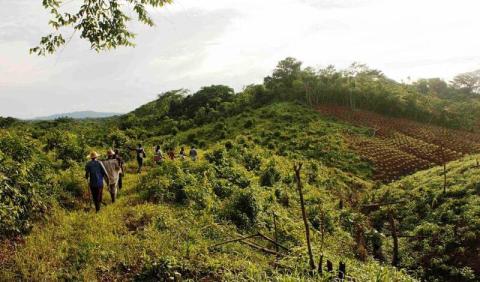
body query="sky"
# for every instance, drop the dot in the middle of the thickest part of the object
(233, 42)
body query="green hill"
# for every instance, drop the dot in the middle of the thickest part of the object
(439, 231)
(172, 214)
(235, 214)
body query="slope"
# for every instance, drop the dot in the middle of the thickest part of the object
(438, 231)
(168, 218)
(398, 147)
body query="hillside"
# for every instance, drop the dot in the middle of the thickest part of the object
(398, 147)
(388, 188)
(439, 232)
(244, 176)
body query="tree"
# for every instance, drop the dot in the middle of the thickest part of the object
(103, 23)
(468, 82)
(286, 79)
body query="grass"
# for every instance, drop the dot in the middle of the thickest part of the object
(148, 240)
(133, 239)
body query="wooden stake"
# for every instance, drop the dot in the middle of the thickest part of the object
(395, 257)
(297, 168)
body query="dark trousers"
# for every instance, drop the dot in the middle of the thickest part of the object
(140, 164)
(120, 181)
(96, 196)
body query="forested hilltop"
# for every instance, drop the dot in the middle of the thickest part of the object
(387, 171)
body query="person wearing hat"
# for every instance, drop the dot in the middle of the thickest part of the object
(95, 173)
(113, 169)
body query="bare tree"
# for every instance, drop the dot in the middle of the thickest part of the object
(297, 168)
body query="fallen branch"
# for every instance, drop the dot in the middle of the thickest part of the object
(273, 242)
(268, 251)
(253, 245)
(233, 240)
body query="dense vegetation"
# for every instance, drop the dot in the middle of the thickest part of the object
(439, 232)
(168, 219)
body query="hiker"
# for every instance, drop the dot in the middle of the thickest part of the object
(112, 167)
(122, 169)
(158, 158)
(140, 156)
(183, 155)
(171, 154)
(95, 173)
(193, 153)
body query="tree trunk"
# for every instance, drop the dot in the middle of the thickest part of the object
(320, 265)
(342, 271)
(297, 169)
(395, 258)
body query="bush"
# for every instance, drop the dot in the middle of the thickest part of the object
(72, 193)
(222, 190)
(270, 176)
(229, 145)
(216, 157)
(282, 198)
(24, 183)
(252, 162)
(171, 184)
(243, 209)
(249, 123)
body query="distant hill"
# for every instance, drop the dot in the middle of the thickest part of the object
(78, 115)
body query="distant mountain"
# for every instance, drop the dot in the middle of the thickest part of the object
(78, 115)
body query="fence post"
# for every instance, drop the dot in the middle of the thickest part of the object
(297, 168)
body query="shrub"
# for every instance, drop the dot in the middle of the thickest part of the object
(229, 145)
(19, 150)
(216, 157)
(282, 198)
(222, 190)
(191, 138)
(252, 162)
(243, 209)
(270, 176)
(219, 126)
(72, 189)
(249, 123)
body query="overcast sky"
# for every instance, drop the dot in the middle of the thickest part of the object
(234, 42)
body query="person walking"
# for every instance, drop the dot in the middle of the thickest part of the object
(183, 154)
(171, 154)
(193, 153)
(122, 169)
(140, 156)
(158, 158)
(112, 167)
(95, 174)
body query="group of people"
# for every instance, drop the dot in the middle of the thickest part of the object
(111, 170)
(159, 156)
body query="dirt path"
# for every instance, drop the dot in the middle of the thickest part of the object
(72, 244)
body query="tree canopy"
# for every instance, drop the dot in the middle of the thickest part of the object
(468, 82)
(103, 23)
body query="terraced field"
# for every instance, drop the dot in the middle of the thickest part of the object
(399, 147)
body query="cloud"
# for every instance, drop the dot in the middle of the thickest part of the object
(78, 79)
(235, 42)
